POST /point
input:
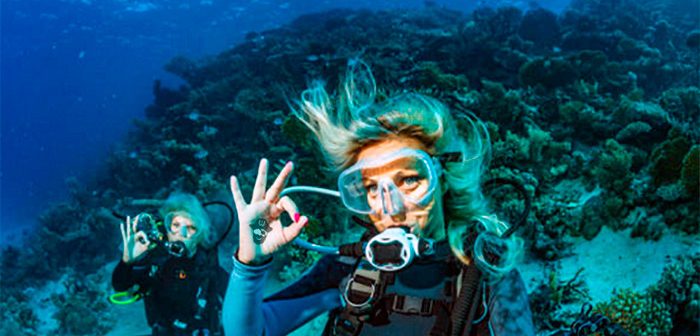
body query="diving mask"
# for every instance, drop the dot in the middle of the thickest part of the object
(385, 184)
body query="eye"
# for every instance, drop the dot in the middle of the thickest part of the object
(371, 188)
(411, 180)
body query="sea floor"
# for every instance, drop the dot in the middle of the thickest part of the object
(614, 260)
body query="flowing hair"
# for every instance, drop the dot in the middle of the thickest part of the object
(357, 120)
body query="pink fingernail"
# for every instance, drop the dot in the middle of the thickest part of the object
(296, 217)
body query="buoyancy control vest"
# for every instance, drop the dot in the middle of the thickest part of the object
(417, 300)
(183, 298)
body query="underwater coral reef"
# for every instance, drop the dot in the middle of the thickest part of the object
(595, 111)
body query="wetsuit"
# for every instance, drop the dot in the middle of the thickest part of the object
(503, 311)
(183, 296)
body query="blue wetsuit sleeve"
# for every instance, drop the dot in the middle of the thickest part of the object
(245, 313)
(510, 307)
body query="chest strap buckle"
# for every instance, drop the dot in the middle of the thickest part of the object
(412, 305)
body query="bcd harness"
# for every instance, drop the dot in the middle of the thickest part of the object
(371, 295)
(202, 270)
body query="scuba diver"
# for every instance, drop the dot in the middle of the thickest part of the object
(434, 259)
(181, 282)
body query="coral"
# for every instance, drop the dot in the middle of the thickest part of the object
(667, 159)
(631, 49)
(538, 140)
(592, 218)
(549, 72)
(549, 296)
(678, 290)
(629, 111)
(638, 313)
(504, 107)
(612, 170)
(184, 68)
(552, 223)
(633, 133)
(18, 318)
(511, 149)
(671, 192)
(683, 107)
(649, 227)
(576, 112)
(80, 307)
(429, 75)
(584, 122)
(591, 65)
(690, 171)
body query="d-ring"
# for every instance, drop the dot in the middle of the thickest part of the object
(357, 305)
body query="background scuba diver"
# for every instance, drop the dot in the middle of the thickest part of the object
(182, 284)
(405, 167)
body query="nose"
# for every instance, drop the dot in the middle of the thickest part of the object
(391, 198)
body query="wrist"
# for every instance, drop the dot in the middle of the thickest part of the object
(252, 261)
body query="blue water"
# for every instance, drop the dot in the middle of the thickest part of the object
(76, 73)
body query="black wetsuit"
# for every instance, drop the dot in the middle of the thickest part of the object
(175, 291)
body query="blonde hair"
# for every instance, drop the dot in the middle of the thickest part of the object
(358, 120)
(187, 205)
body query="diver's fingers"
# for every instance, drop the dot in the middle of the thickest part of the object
(284, 204)
(121, 227)
(260, 182)
(273, 193)
(292, 231)
(238, 199)
(134, 224)
(128, 227)
(141, 237)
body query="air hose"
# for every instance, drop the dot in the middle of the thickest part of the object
(465, 307)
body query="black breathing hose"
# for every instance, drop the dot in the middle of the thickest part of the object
(465, 306)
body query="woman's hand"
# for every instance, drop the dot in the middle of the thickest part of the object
(134, 244)
(260, 231)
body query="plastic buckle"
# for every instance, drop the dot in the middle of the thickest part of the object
(412, 305)
(361, 304)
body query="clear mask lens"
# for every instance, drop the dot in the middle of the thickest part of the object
(387, 183)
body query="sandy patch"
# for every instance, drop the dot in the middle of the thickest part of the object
(614, 260)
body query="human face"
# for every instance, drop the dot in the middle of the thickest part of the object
(181, 229)
(402, 177)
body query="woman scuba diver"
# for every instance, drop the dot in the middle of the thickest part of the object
(182, 284)
(434, 260)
